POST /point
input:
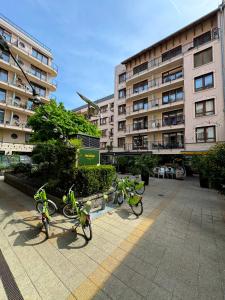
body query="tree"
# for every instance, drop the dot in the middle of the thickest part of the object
(52, 121)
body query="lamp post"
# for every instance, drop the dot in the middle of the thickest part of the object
(5, 48)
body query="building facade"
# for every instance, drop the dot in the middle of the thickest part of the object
(169, 97)
(15, 94)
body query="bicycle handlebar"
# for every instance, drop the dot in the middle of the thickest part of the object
(42, 187)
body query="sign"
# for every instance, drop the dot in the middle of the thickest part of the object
(88, 157)
(194, 152)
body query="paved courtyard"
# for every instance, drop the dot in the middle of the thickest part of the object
(175, 250)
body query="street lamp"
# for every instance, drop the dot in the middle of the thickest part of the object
(5, 48)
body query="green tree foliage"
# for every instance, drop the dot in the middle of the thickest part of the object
(144, 164)
(52, 120)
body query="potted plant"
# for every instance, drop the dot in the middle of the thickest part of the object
(145, 165)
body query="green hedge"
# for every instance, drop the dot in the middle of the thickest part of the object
(91, 180)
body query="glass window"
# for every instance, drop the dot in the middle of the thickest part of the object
(204, 82)
(38, 73)
(203, 57)
(121, 142)
(2, 95)
(173, 140)
(173, 118)
(122, 93)
(140, 87)
(40, 56)
(140, 68)
(2, 113)
(202, 39)
(121, 125)
(122, 77)
(7, 36)
(39, 89)
(173, 96)
(103, 121)
(205, 134)
(171, 75)
(140, 123)
(171, 53)
(122, 109)
(3, 75)
(140, 104)
(4, 56)
(204, 108)
(140, 142)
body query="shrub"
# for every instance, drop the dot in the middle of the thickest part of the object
(22, 168)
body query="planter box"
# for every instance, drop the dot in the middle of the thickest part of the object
(20, 184)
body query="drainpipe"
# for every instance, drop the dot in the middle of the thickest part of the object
(221, 25)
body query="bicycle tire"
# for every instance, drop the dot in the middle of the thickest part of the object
(140, 191)
(46, 226)
(52, 208)
(88, 232)
(137, 209)
(69, 212)
(120, 199)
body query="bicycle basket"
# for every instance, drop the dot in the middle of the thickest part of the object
(133, 200)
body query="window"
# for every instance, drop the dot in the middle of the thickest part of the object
(94, 122)
(204, 82)
(203, 57)
(140, 68)
(5, 34)
(140, 123)
(171, 75)
(171, 53)
(103, 108)
(140, 104)
(112, 106)
(121, 125)
(204, 108)
(30, 104)
(140, 142)
(140, 87)
(103, 121)
(122, 109)
(206, 134)
(111, 132)
(27, 137)
(111, 119)
(4, 56)
(39, 89)
(122, 93)
(2, 95)
(202, 39)
(38, 73)
(122, 77)
(121, 142)
(14, 136)
(173, 96)
(40, 56)
(173, 117)
(3, 75)
(2, 114)
(102, 145)
(104, 133)
(173, 140)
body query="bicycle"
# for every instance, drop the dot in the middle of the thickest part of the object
(78, 211)
(69, 209)
(41, 197)
(52, 207)
(126, 192)
(137, 186)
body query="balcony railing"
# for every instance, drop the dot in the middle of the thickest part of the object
(157, 62)
(156, 145)
(15, 124)
(152, 104)
(155, 124)
(23, 106)
(154, 83)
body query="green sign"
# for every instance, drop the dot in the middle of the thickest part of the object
(88, 157)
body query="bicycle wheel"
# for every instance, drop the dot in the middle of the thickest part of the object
(120, 199)
(140, 191)
(114, 186)
(137, 208)
(69, 211)
(46, 226)
(51, 207)
(87, 230)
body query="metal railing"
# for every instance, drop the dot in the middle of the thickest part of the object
(15, 124)
(13, 102)
(158, 61)
(156, 145)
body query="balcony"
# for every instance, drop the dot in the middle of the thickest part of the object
(153, 84)
(15, 125)
(152, 105)
(15, 106)
(158, 63)
(157, 125)
(153, 146)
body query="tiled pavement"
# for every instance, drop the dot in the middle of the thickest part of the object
(174, 251)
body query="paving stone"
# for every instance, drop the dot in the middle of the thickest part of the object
(159, 293)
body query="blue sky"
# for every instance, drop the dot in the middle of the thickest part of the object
(89, 38)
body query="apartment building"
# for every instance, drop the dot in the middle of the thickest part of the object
(104, 120)
(169, 97)
(173, 91)
(16, 104)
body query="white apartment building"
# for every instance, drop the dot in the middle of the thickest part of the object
(15, 93)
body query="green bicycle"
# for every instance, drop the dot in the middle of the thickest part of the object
(79, 212)
(41, 197)
(137, 186)
(126, 191)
